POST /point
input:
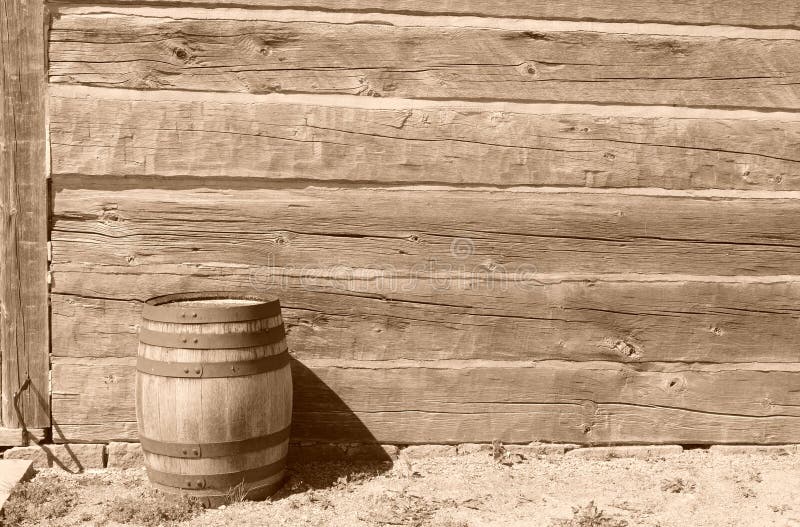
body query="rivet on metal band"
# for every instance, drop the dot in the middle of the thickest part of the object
(212, 370)
(216, 481)
(213, 450)
(203, 341)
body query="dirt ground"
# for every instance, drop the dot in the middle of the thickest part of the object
(696, 488)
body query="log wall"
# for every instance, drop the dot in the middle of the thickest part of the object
(518, 220)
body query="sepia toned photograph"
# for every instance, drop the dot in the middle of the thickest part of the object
(399, 263)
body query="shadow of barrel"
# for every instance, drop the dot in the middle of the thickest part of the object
(329, 440)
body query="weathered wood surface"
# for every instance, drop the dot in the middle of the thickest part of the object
(424, 229)
(97, 132)
(470, 311)
(341, 55)
(756, 13)
(90, 432)
(596, 402)
(619, 320)
(403, 394)
(214, 410)
(23, 218)
(20, 437)
(631, 426)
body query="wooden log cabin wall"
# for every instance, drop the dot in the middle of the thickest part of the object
(569, 221)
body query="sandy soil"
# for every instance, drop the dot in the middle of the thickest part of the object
(695, 488)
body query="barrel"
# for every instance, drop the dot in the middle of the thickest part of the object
(214, 395)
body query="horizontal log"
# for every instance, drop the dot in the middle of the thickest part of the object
(430, 230)
(641, 425)
(97, 132)
(93, 432)
(622, 424)
(96, 312)
(535, 61)
(562, 402)
(20, 437)
(756, 13)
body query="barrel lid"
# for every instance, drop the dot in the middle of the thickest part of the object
(210, 306)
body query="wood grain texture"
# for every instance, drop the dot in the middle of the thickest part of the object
(23, 218)
(214, 410)
(413, 402)
(101, 133)
(20, 437)
(633, 426)
(90, 432)
(402, 231)
(466, 312)
(449, 61)
(96, 312)
(494, 379)
(757, 13)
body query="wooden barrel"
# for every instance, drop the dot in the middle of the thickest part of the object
(214, 395)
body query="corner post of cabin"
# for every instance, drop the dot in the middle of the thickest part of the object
(24, 331)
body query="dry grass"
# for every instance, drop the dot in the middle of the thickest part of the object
(52, 498)
(589, 516)
(398, 508)
(677, 485)
(236, 494)
(471, 490)
(152, 509)
(35, 502)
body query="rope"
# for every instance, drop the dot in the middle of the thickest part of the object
(20, 417)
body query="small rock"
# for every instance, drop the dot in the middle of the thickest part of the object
(754, 449)
(640, 452)
(473, 448)
(427, 451)
(77, 457)
(540, 449)
(553, 448)
(123, 456)
(72, 457)
(509, 459)
(40, 456)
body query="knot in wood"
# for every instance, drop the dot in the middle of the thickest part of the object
(533, 35)
(676, 384)
(182, 54)
(528, 68)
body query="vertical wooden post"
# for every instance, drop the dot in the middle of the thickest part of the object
(24, 328)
